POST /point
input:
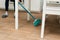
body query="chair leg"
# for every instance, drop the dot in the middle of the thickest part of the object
(28, 17)
(58, 18)
(16, 15)
(43, 26)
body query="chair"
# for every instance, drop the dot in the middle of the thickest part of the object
(11, 2)
(16, 14)
(29, 7)
(49, 9)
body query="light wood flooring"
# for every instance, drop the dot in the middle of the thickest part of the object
(26, 29)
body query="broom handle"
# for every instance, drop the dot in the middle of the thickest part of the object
(27, 10)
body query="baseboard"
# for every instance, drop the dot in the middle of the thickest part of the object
(22, 10)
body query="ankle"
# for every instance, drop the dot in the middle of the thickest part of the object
(6, 13)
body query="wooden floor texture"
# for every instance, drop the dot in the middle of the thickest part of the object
(26, 29)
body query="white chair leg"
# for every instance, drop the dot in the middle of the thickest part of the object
(28, 17)
(16, 14)
(43, 26)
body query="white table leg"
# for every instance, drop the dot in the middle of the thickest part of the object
(16, 14)
(43, 26)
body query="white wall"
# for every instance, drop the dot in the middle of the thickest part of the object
(53, 0)
(26, 4)
(2, 2)
(35, 5)
(2, 5)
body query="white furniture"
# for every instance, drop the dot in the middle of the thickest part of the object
(29, 7)
(16, 14)
(48, 8)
